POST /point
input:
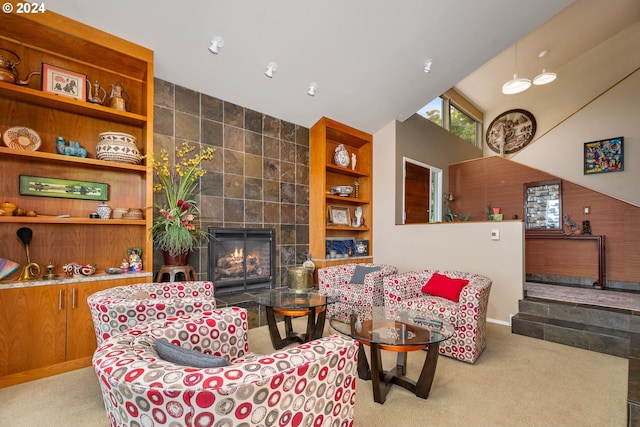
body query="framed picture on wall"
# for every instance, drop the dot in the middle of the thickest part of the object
(604, 156)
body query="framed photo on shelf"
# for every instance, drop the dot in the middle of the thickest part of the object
(604, 156)
(362, 248)
(63, 188)
(59, 81)
(339, 215)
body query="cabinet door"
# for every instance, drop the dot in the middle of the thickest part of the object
(81, 336)
(32, 328)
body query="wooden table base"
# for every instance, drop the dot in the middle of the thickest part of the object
(381, 380)
(315, 325)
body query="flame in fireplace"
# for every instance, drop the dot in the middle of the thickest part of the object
(237, 253)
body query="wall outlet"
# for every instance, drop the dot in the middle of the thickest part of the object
(586, 210)
(495, 234)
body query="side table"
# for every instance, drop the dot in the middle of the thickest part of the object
(173, 272)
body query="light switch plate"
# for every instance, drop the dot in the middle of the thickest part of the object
(495, 234)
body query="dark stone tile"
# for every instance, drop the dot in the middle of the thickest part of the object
(211, 108)
(253, 211)
(301, 253)
(287, 193)
(187, 101)
(271, 147)
(633, 415)
(253, 121)
(567, 312)
(163, 93)
(302, 234)
(566, 324)
(287, 172)
(634, 323)
(253, 143)
(271, 191)
(615, 346)
(271, 169)
(287, 255)
(212, 184)
(187, 127)
(287, 213)
(302, 214)
(287, 234)
(566, 336)
(212, 208)
(233, 138)
(271, 126)
(233, 162)
(607, 319)
(302, 155)
(287, 151)
(253, 188)
(302, 136)
(530, 306)
(634, 345)
(522, 326)
(233, 115)
(271, 212)
(233, 186)
(302, 195)
(162, 141)
(163, 121)
(634, 380)
(287, 131)
(233, 212)
(252, 166)
(212, 133)
(302, 174)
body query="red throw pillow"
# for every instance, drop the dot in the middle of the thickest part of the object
(443, 286)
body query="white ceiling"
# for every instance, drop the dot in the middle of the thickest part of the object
(367, 56)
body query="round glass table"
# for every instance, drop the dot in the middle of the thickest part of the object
(400, 335)
(294, 303)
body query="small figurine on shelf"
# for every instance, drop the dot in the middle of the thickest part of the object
(135, 262)
(356, 190)
(124, 265)
(73, 149)
(353, 161)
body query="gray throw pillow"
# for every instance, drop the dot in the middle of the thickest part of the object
(186, 357)
(360, 272)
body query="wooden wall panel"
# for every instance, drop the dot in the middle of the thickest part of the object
(500, 182)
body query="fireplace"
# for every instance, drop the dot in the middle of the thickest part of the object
(241, 259)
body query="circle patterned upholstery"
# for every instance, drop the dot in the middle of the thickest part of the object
(312, 384)
(117, 309)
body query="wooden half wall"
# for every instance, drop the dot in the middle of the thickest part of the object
(499, 182)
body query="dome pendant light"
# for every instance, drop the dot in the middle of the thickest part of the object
(516, 85)
(544, 77)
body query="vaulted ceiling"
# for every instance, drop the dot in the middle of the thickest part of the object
(367, 57)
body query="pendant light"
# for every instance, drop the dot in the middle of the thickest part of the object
(544, 77)
(516, 85)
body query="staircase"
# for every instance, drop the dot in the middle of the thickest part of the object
(588, 326)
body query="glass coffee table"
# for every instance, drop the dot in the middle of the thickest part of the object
(400, 336)
(294, 303)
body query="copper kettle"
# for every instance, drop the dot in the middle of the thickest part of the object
(8, 72)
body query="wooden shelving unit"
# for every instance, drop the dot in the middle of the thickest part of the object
(325, 136)
(33, 349)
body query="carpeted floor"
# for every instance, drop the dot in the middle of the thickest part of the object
(517, 381)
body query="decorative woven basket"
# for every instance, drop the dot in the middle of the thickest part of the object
(118, 147)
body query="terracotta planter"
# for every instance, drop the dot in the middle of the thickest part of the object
(179, 259)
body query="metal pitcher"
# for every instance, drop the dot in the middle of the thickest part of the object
(94, 92)
(116, 100)
(8, 72)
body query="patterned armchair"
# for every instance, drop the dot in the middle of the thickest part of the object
(403, 292)
(116, 309)
(311, 384)
(357, 297)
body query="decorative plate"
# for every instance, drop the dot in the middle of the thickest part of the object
(21, 138)
(7, 267)
(511, 131)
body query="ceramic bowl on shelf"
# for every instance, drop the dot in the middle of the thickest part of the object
(342, 190)
(21, 138)
(118, 147)
(113, 270)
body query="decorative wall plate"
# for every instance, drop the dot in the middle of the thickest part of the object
(21, 138)
(511, 131)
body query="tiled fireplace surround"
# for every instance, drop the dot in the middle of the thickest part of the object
(259, 177)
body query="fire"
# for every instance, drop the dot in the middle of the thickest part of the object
(237, 253)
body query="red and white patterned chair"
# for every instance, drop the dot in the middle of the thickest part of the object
(313, 384)
(358, 297)
(116, 309)
(403, 292)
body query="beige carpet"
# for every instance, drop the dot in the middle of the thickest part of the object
(518, 381)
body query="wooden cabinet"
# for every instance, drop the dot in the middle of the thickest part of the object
(326, 135)
(46, 330)
(48, 38)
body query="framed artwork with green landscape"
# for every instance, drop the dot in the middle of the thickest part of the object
(63, 188)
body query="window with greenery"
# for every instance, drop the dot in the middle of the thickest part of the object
(458, 121)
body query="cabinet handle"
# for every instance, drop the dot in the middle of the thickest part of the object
(73, 298)
(60, 300)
